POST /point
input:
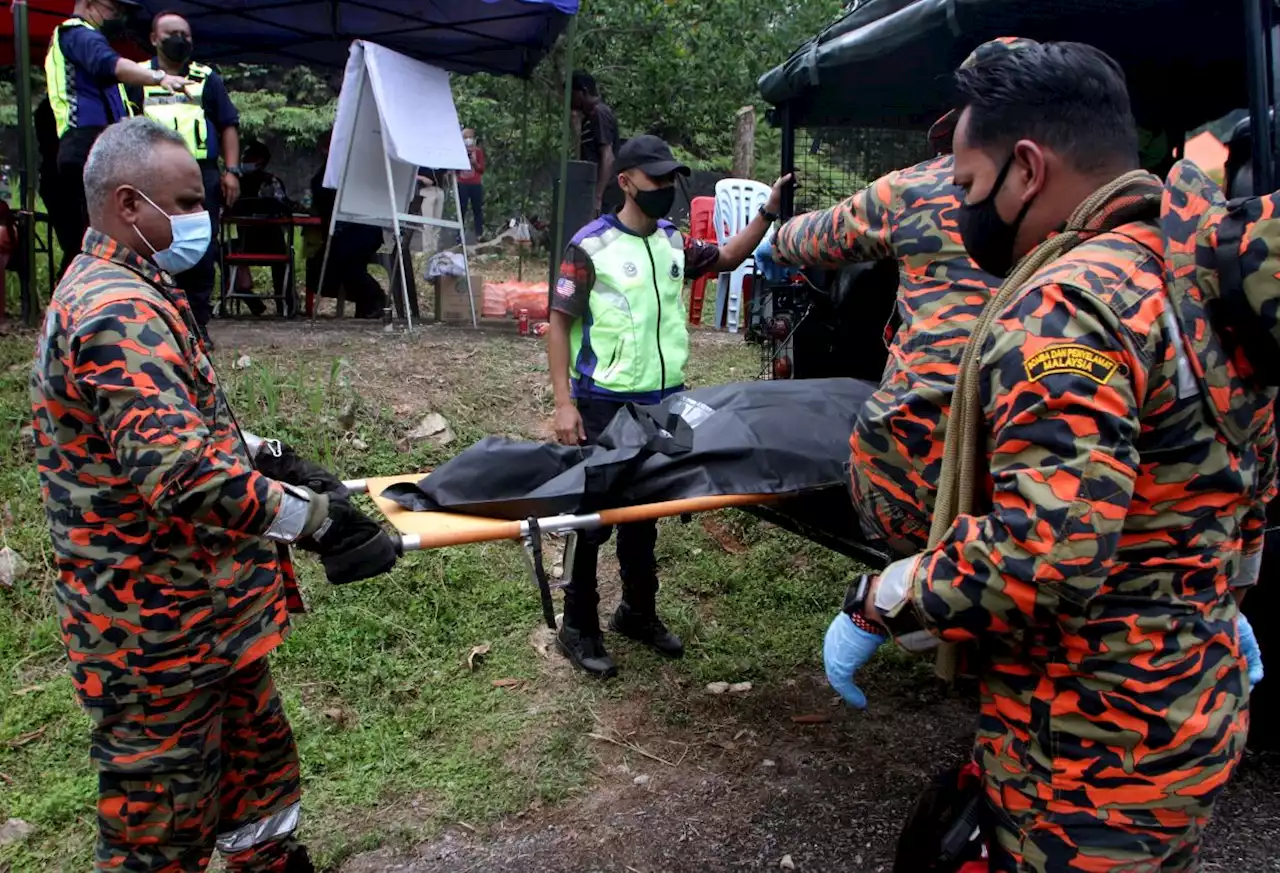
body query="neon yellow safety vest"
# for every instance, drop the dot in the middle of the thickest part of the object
(184, 112)
(58, 78)
(634, 339)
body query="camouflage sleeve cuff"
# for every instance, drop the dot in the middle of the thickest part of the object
(895, 603)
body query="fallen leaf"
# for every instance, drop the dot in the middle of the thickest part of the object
(14, 830)
(30, 689)
(335, 715)
(717, 687)
(507, 683)
(24, 739)
(740, 687)
(816, 718)
(12, 566)
(243, 362)
(6, 778)
(476, 652)
(433, 428)
(642, 779)
(786, 863)
(723, 536)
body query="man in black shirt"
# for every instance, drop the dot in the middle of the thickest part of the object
(599, 131)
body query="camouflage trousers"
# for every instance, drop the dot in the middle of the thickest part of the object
(1036, 842)
(178, 776)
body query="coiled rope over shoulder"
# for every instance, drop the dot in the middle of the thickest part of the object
(957, 481)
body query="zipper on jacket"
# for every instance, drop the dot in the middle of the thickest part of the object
(657, 293)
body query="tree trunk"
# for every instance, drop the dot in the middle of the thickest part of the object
(744, 149)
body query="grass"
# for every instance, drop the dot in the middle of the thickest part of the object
(398, 738)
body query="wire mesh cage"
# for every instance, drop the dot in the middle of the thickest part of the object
(793, 322)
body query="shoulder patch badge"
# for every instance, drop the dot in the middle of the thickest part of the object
(1071, 358)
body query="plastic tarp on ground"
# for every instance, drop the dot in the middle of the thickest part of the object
(888, 63)
(786, 437)
(466, 36)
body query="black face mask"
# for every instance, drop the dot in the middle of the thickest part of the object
(656, 203)
(176, 48)
(987, 237)
(113, 28)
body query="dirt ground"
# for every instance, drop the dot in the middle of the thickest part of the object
(830, 796)
(686, 780)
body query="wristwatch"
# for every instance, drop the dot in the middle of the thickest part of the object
(157, 76)
(235, 171)
(771, 217)
(855, 605)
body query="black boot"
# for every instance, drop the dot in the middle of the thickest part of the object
(647, 629)
(586, 651)
(299, 861)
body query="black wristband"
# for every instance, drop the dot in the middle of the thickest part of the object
(771, 217)
(855, 597)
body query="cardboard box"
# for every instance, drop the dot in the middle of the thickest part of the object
(452, 306)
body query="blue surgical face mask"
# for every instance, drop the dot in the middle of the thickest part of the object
(192, 234)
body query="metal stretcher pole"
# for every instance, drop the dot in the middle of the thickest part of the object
(530, 531)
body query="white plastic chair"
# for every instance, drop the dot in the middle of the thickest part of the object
(737, 203)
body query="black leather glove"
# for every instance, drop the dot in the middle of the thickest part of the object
(288, 466)
(351, 545)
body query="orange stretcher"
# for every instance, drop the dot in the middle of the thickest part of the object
(436, 530)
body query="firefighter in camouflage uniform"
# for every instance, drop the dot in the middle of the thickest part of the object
(1122, 464)
(908, 216)
(171, 547)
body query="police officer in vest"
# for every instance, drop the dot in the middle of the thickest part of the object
(619, 335)
(204, 116)
(86, 80)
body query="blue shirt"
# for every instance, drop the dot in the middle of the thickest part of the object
(219, 111)
(91, 71)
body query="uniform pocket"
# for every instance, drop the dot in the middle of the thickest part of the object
(157, 770)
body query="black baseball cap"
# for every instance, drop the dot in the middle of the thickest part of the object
(650, 155)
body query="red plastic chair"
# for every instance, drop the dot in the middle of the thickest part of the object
(701, 227)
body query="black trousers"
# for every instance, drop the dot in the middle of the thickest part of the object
(70, 216)
(198, 282)
(637, 563)
(350, 252)
(473, 196)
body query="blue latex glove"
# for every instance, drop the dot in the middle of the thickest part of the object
(845, 650)
(1249, 648)
(766, 266)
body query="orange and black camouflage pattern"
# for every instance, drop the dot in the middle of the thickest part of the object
(155, 510)
(908, 216)
(176, 773)
(1113, 690)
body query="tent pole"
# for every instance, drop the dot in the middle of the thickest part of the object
(566, 131)
(27, 156)
(524, 164)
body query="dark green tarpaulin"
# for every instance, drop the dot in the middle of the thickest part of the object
(888, 63)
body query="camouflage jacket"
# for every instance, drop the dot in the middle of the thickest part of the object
(155, 510)
(1098, 581)
(908, 216)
